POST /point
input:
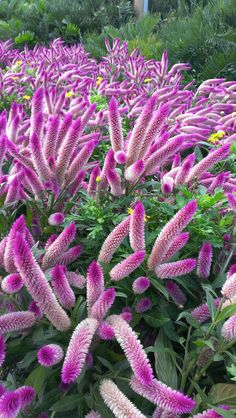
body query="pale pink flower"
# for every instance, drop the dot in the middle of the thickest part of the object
(115, 126)
(114, 181)
(204, 261)
(70, 255)
(167, 184)
(118, 403)
(202, 313)
(63, 130)
(50, 140)
(177, 268)
(177, 243)
(229, 288)
(40, 164)
(127, 266)
(113, 241)
(120, 157)
(75, 279)
(78, 162)
(136, 231)
(95, 283)
(134, 171)
(57, 248)
(2, 251)
(12, 283)
(93, 414)
(185, 169)
(103, 304)
(61, 287)
(229, 329)
(78, 349)
(16, 321)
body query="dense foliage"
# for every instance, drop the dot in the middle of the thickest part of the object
(117, 251)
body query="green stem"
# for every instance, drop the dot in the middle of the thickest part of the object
(185, 358)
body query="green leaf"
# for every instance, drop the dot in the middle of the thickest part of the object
(66, 404)
(36, 378)
(155, 319)
(223, 393)
(224, 413)
(160, 287)
(27, 360)
(210, 303)
(164, 364)
(189, 318)
(227, 312)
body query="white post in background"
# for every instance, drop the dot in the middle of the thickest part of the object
(141, 7)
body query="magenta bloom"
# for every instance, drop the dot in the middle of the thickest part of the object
(2, 251)
(64, 128)
(127, 266)
(119, 404)
(114, 181)
(33, 307)
(10, 404)
(62, 288)
(177, 268)
(120, 157)
(210, 413)
(185, 169)
(229, 329)
(2, 350)
(50, 354)
(133, 349)
(136, 232)
(167, 185)
(58, 246)
(103, 304)
(93, 414)
(105, 331)
(229, 288)
(177, 243)
(40, 164)
(16, 321)
(134, 171)
(12, 283)
(50, 140)
(70, 255)
(76, 280)
(175, 292)
(170, 232)
(232, 200)
(37, 285)
(56, 218)
(113, 241)
(27, 394)
(141, 284)
(115, 127)
(95, 284)
(18, 226)
(202, 313)
(89, 360)
(80, 160)
(78, 349)
(204, 261)
(168, 399)
(145, 304)
(92, 186)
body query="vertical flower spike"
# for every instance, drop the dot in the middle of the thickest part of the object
(145, 304)
(163, 396)
(204, 261)
(37, 285)
(229, 288)
(36, 107)
(38, 125)
(229, 329)
(93, 181)
(118, 403)
(184, 170)
(2, 350)
(154, 129)
(50, 141)
(103, 304)
(170, 231)
(217, 182)
(93, 414)
(71, 255)
(177, 268)
(134, 171)
(133, 349)
(10, 404)
(176, 293)
(78, 349)
(136, 232)
(66, 150)
(3, 148)
(50, 354)
(63, 130)
(12, 283)
(178, 243)
(34, 181)
(18, 226)
(16, 321)
(109, 164)
(95, 284)
(13, 192)
(140, 285)
(127, 266)
(202, 313)
(40, 164)
(27, 395)
(232, 200)
(87, 115)
(115, 127)
(113, 241)
(80, 160)
(212, 158)
(162, 154)
(58, 246)
(61, 287)
(137, 135)
(114, 181)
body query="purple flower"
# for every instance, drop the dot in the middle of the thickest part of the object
(176, 293)
(103, 304)
(12, 283)
(120, 157)
(56, 218)
(27, 394)
(95, 284)
(177, 243)
(114, 240)
(92, 186)
(33, 307)
(78, 349)
(141, 284)
(2, 350)
(211, 413)
(76, 280)
(127, 266)
(232, 200)
(177, 268)
(184, 170)
(115, 127)
(58, 246)
(89, 360)
(50, 354)
(18, 226)
(62, 288)
(145, 304)
(202, 313)
(40, 164)
(167, 184)
(204, 261)
(105, 331)
(10, 404)
(134, 171)
(80, 160)
(114, 181)
(16, 321)
(70, 255)
(50, 140)
(136, 232)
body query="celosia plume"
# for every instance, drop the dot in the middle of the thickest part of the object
(103, 304)
(113, 241)
(134, 171)
(127, 266)
(16, 321)
(143, 305)
(115, 127)
(229, 288)
(95, 284)
(76, 280)
(27, 395)
(175, 292)
(141, 284)
(204, 261)
(12, 283)
(56, 218)
(177, 268)
(136, 232)
(202, 312)
(61, 287)
(57, 248)
(177, 243)
(2, 350)
(10, 404)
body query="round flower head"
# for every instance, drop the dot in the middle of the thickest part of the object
(143, 305)
(50, 354)
(27, 394)
(10, 404)
(141, 284)
(120, 157)
(167, 185)
(229, 329)
(56, 218)
(105, 331)
(12, 283)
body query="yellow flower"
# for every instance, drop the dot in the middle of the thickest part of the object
(146, 218)
(18, 63)
(99, 80)
(147, 80)
(69, 94)
(130, 211)
(26, 97)
(98, 179)
(15, 78)
(215, 137)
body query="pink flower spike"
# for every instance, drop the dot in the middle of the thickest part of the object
(27, 395)
(63, 130)
(95, 284)
(2, 351)
(114, 181)
(103, 304)
(140, 285)
(113, 241)
(176, 293)
(56, 218)
(39, 161)
(82, 158)
(70, 255)
(211, 413)
(93, 414)
(229, 288)
(177, 268)
(78, 349)
(115, 127)
(33, 307)
(145, 304)
(50, 354)
(58, 246)
(232, 200)
(12, 283)
(2, 251)
(137, 224)
(50, 140)
(37, 285)
(204, 261)
(10, 404)
(184, 170)
(127, 266)
(170, 231)
(62, 288)
(120, 157)
(134, 171)
(105, 331)
(133, 349)
(202, 313)
(118, 403)
(163, 396)
(75, 279)
(177, 243)
(92, 186)
(229, 329)
(16, 321)
(18, 226)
